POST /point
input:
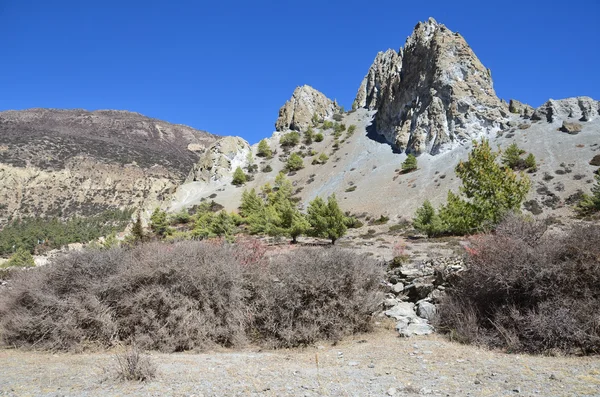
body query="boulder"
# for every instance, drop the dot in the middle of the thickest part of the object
(426, 310)
(520, 108)
(402, 310)
(571, 128)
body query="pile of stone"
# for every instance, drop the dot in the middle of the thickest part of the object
(414, 290)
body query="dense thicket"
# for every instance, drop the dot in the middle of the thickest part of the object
(528, 289)
(175, 297)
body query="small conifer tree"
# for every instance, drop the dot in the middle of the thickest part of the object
(294, 162)
(410, 164)
(239, 178)
(264, 150)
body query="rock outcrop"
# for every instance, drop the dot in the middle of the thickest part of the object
(570, 109)
(74, 162)
(383, 74)
(440, 96)
(520, 108)
(298, 112)
(220, 160)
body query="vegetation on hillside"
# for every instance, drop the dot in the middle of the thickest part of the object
(41, 234)
(410, 164)
(590, 204)
(489, 191)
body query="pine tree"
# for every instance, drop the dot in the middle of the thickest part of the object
(294, 162)
(410, 164)
(158, 223)
(21, 258)
(427, 220)
(239, 178)
(137, 231)
(326, 219)
(250, 203)
(530, 162)
(490, 190)
(264, 150)
(590, 204)
(290, 139)
(308, 136)
(512, 157)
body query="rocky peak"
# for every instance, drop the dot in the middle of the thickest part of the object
(383, 73)
(298, 112)
(580, 108)
(436, 95)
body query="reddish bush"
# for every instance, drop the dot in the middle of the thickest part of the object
(529, 290)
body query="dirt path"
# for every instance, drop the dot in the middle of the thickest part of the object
(378, 364)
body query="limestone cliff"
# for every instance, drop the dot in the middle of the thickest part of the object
(434, 95)
(298, 112)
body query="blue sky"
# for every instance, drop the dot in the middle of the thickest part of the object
(228, 66)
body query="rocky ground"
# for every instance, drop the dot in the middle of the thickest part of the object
(376, 364)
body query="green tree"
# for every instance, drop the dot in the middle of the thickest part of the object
(309, 135)
(319, 137)
(530, 162)
(410, 164)
(222, 225)
(512, 157)
(264, 150)
(326, 219)
(250, 203)
(427, 220)
(322, 159)
(290, 139)
(590, 204)
(351, 129)
(137, 231)
(21, 258)
(239, 178)
(490, 190)
(158, 223)
(294, 162)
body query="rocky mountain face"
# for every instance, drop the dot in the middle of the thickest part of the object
(220, 160)
(67, 162)
(433, 95)
(383, 74)
(306, 102)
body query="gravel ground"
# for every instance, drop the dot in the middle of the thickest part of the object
(376, 364)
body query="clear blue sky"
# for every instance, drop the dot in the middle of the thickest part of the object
(227, 66)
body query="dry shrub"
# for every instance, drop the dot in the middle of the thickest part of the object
(188, 295)
(311, 294)
(527, 290)
(132, 365)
